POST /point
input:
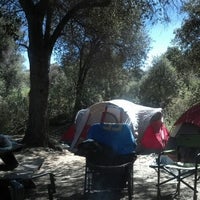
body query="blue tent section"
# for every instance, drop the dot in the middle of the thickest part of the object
(117, 136)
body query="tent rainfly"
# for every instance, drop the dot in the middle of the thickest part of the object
(187, 125)
(146, 122)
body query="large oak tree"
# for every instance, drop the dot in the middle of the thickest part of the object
(102, 46)
(42, 35)
(45, 20)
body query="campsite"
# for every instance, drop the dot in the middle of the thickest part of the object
(68, 168)
(91, 107)
(146, 122)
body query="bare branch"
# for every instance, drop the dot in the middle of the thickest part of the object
(80, 6)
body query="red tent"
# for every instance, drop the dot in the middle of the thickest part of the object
(155, 137)
(192, 116)
(186, 130)
(122, 111)
(69, 134)
(188, 122)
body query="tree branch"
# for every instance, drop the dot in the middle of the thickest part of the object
(80, 6)
(27, 6)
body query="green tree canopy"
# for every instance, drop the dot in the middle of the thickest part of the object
(160, 84)
(187, 37)
(103, 47)
(45, 22)
(13, 105)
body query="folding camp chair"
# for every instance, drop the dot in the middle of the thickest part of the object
(109, 159)
(14, 181)
(181, 164)
(110, 178)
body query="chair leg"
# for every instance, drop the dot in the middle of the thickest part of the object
(132, 178)
(158, 180)
(51, 186)
(178, 184)
(52, 182)
(86, 181)
(50, 193)
(195, 182)
(130, 182)
(158, 193)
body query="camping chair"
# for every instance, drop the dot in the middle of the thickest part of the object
(16, 177)
(17, 181)
(181, 164)
(110, 178)
(110, 154)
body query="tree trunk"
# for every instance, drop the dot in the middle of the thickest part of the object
(37, 130)
(41, 42)
(78, 97)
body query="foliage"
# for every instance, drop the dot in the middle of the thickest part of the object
(177, 59)
(13, 113)
(160, 85)
(185, 58)
(186, 97)
(114, 56)
(103, 47)
(187, 37)
(60, 93)
(13, 98)
(188, 92)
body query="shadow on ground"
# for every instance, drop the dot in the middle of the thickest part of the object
(69, 174)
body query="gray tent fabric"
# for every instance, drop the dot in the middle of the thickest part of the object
(115, 111)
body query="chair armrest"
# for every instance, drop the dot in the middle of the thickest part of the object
(165, 152)
(198, 155)
(166, 159)
(198, 158)
(168, 151)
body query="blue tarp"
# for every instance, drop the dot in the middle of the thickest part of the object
(117, 136)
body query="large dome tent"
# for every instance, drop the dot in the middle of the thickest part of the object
(142, 120)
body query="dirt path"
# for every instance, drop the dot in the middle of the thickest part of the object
(69, 174)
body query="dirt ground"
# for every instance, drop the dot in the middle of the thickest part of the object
(69, 174)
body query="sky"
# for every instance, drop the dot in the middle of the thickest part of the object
(162, 35)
